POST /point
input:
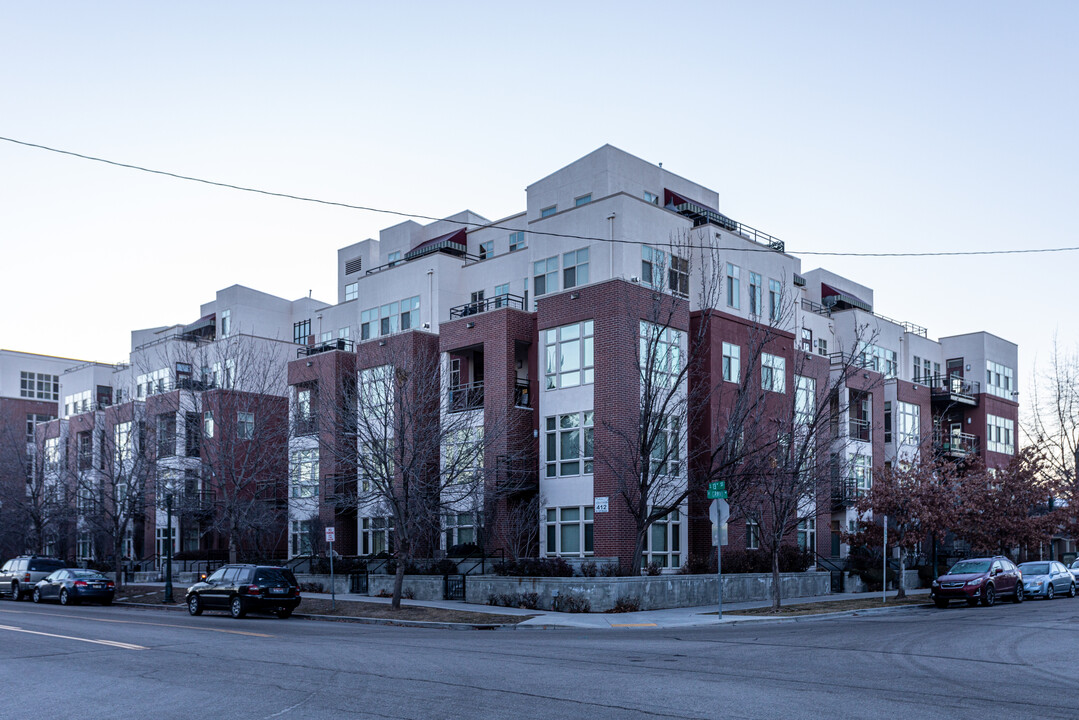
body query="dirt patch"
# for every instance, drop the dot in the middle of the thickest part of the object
(352, 608)
(152, 594)
(830, 606)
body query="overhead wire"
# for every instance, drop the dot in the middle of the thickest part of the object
(496, 226)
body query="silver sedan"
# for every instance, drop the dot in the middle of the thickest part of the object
(1047, 579)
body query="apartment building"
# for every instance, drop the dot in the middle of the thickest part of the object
(538, 319)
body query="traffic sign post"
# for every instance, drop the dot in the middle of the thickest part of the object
(720, 511)
(331, 533)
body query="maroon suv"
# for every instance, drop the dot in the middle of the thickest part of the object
(979, 579)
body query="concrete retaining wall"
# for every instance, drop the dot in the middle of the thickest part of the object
(423, 587)
(654, 593)
(340, 582)
(911, 581)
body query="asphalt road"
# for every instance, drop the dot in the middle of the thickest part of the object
(92, 662)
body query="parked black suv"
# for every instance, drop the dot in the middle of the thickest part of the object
(246, 588)
(19, 575)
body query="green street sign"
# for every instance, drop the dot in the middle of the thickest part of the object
(719, 485)
(716, 494)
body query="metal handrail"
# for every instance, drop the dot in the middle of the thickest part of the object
(468, 396)
(952, 384)
(343, 344)
(492, 303)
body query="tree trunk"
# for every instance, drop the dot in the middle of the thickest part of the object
(398, 584)
(118, 564)
(901, 592)
(635, 565)
(777, 591)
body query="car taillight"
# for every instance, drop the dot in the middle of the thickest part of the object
(26, 577)
(80, 583)
(110, 585)
(253, 589)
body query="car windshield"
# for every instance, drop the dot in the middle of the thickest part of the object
(46, 565)
(1035, 568)
(275, 575)
(970, 566)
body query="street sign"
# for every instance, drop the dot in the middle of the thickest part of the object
(719, 511)
(330, 532)
(601, 504)
(717, 490)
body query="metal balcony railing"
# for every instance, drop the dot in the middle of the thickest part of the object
(860, 430)
(955, 444)
(492, 303)
(952, 388)
(466, 397)
(845, 492)
(305, 424)
(342, 344)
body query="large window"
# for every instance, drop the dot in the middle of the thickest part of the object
(663, 544)
(807, 535)
(303, 473)
(545, 276)
(486, 249)
(301, 331)
(666, 450)
(166, 434)
(734, 287)
(32, 419)
(570, 444)
(732, 362)
(756, 294)
(569, 531)
(908, 425)
(569, 353)
(459, 528)
(226, 323)
(861, 471)
(245, 425)
(660, 353)
(52, 454)
(517, 240)
(575, 268)
(775, 304)
(655, 263)
(352, 291)
(753, 535)
(376, 535)
(999, 380)
(1000, 435)
(40, 386)
(805, 400)
(879, 359)
(773, 373)
(300, 537)
(397, 316)
(368, 324)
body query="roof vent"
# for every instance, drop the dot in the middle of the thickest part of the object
(354, 265)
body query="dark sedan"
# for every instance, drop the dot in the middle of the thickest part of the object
(73, 585)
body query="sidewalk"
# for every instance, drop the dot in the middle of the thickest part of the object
(670, 618)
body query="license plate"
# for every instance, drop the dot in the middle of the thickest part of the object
(278, 591)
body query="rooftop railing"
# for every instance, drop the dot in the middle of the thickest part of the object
(492, 303)
(342, 344)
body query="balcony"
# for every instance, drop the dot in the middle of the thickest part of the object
(955, 444)
(466, 397)
(522, 394)
(305, 424)
(845, 492)
(342, 344)
(492, 303)
(860, 430)
(953, 389)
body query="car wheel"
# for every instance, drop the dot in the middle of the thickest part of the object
(15, 594)
(1020, 596)
(66, 599)
(284, 613)
(37, 595)
(1071, 590)
(194, 605)
(940, 602)
(236, 607)
(989, 598)
(1050, 593)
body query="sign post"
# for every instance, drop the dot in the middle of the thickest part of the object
(330, 535)
(719, 511)
(884, 592)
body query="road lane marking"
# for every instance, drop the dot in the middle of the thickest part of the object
(139, 622)
(109, 643)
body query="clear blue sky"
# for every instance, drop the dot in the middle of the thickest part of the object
(842, 126)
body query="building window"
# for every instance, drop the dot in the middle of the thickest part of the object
(807, 535)
(909, 424)
(822, 346)
(300, 537)
(500, 290)
(879, 359)
(226, 323)
(654, 263)
(1000, 435)
(660, 353)
(734, 288)
(344, 333)
(775, 303)
(517, 240)
(773, 373)
(999, 380)
(887, 421)
(32, 419)
(582, 200)
(862, 473)
(917, 376)
(326, 336)
(569, 531)
(40, 386)
(569, 354)
(807, 340)
(663, 544)
(163, 536)
(52, 454)
(732, 362)
(545, 274)
(393, 258)
(245, 425)
(666, 450)
(651, 198)
(548, 211)
(575, 268)
(753, 535)
(208, 423)
(301, 331)
(459, 529)
(487, 249)
(570, 444)
(166, 435)
(755, 294)
(376, 536)
(303, 473)
(368, 323)
(805, 400)
(352, 291)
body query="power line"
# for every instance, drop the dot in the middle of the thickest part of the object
(494, 226)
